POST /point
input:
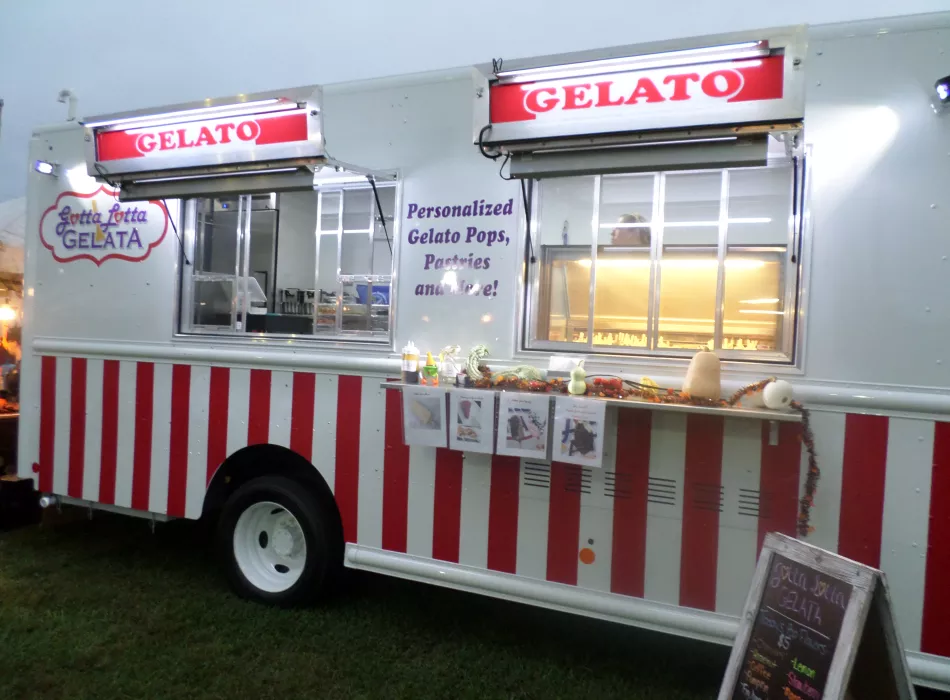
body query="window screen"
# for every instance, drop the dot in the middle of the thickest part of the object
(667, 262)
(314, 263)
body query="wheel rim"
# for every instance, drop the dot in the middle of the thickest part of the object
(269, 547)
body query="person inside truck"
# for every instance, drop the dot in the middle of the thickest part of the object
(631, 230)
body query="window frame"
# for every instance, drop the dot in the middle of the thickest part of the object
(796, 263)
(185, 328)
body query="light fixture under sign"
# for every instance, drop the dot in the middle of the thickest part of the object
(273, 104)
(206, 176)
(45, 168)
(708, 54)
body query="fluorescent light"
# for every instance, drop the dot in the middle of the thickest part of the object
(340, 180)
(748, 49)
(273, 104)
(759, 301)
(767, 312)
(683, 263)
(44, 168)
(239, 173)
(684, 224)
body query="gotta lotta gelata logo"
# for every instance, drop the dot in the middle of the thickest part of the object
(96, 226)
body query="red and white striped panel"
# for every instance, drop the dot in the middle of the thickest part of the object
(677, 514)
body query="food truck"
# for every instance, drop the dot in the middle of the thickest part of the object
(216, 309)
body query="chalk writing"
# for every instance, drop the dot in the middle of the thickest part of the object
(764, 660)
(802, 668)
(808, 610)
(802, 686)
(748, 693)
(794, 634)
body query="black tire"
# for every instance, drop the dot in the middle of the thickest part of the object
(324, 542)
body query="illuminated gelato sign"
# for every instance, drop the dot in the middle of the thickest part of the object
(97, 227)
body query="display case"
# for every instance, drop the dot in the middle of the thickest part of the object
(626, 281)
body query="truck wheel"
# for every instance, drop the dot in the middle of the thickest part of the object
(277, 542)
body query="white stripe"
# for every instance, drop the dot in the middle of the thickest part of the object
(238, 404)
(828, 428)
(421, 501)
(738, 533)
(476, 495)
(125, 450)
(597, 514)
(905, 526)
(665, 522)
(161, 438)
(93, 456)
(198, 400)
(372, 423)
(64, 373)
(533, 509)
(28, 422)
(281, 402)
(324, 427)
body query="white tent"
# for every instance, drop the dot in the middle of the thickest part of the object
(12, 233)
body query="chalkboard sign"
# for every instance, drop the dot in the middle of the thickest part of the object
(794, 634)
(812, 619)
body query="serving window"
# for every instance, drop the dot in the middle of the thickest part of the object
(311, 263)
(666, 262)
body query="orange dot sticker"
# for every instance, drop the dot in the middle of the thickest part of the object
(587, 555)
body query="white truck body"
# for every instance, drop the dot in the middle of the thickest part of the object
(120, 410)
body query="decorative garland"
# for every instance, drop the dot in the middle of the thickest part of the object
(612, 387)
(811, 480)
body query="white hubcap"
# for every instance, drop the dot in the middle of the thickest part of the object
(269, 547)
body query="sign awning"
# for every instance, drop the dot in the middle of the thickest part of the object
(695, 104)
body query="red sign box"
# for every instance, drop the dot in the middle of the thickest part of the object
(678, 89)
(212, 135)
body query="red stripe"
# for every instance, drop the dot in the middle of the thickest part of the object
(395, 477)
(301, 417)
(862, 488)
(702, 494)
(110, 431)
(142, 446)
(564, 522)
(779, 481)
(178, 444)
(218, 390)
(47, 422)
(447, 516)
(503, 513)
(631, 483)
(258, 411)
(77, 427)
(347, 474)
(935, 636)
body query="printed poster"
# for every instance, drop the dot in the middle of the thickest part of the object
(423, 416)
(472, 420)
(523, 425)
(579, 431)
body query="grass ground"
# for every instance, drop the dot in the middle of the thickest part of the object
(105, 609)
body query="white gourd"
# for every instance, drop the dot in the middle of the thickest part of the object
(578, 385)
